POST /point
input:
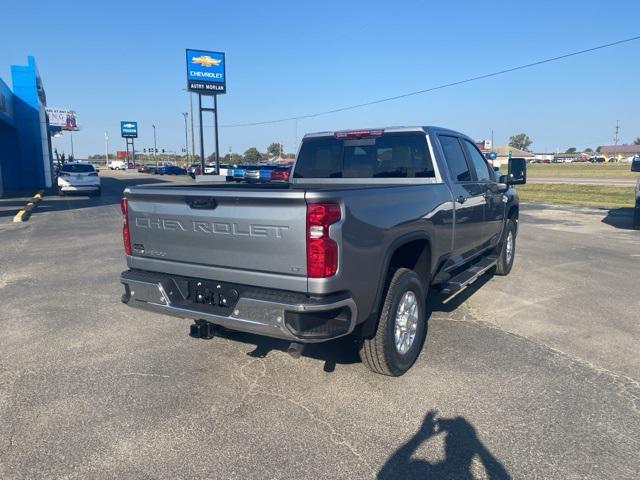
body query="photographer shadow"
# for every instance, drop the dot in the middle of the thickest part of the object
(461, 446)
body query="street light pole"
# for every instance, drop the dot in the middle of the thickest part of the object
(106, 150)
(155, 145)
(71, 136)
(186, 136)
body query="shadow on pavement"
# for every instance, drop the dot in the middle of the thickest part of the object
(435, 298)
(622, 218)
(342, 351)
(112, 189)
(461, 446)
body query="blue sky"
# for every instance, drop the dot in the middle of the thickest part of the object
(116, 60)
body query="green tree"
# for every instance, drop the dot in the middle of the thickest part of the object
(521, 141)
(571, 150)
(636, 141)
(232, 159)
(251, 155)
(588, 150)
(275, 149)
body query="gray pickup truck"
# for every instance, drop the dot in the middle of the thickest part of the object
(369, 222)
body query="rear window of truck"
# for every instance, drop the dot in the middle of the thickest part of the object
(391, 155)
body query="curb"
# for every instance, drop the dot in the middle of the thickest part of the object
(24, 214)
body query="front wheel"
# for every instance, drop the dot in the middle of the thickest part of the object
(506, 250)
(402, 327)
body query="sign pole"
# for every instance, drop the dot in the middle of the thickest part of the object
(201, 134)
(215, 119)
(133, 153)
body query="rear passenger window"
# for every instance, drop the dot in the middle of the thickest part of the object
(454, 156)
(482, 169)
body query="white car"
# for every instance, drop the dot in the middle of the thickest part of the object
(117, 165)
(78, 177)
(210, 169)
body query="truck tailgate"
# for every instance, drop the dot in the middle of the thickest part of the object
(255, 230)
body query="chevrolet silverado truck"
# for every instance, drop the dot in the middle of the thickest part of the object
(368, 223)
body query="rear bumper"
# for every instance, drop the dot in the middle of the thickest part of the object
(78, 188)
(272, 313)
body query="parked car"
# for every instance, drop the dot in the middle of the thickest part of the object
(252, 173)
(117, 165)
(635, 164)
(78, 177)
(96, 167)
(145, 168)
(265, 172)
(210, 169)
(170, 170)
(281, 173)
(370, 222)
(239, 172)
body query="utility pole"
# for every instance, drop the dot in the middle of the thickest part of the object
(106, 150)
(186, 136)
(71, 137)
(616, 139)
(155, 145)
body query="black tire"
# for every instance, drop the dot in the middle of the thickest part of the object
(505, 262)
(98, 192)
(379, 353)
(636, 218)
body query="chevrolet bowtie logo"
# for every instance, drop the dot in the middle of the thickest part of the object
(206, 61)
(128, 125)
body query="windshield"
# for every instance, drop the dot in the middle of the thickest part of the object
(77, 168)
(396, 155)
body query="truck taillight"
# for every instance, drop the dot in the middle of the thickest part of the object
(322, 251)
(126, 237)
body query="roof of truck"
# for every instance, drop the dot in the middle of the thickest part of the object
(397, 129)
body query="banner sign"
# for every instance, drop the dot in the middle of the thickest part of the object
(129, 129)
(206, 72)
(62, 118)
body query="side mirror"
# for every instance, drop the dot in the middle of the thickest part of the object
(517, 173)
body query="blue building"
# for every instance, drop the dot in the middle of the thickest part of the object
(25, 145)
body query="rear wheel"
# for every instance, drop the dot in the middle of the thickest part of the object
(506, 250)
(402, 327)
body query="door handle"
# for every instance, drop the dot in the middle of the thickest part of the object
(461, 199)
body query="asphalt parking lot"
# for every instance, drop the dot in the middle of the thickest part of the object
(534, 375)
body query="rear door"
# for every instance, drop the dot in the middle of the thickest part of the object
(494, 206)
(242, 229)
(468, 196)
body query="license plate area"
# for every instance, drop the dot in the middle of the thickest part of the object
(205, 295)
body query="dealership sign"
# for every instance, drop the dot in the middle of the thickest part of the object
(62, 118)
(129, 129)
(206, 72)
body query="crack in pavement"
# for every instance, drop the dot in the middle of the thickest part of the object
(253, 389)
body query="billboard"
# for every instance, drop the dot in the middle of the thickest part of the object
(62, 118)
(206, 72)
(129, 129)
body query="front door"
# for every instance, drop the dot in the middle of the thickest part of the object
(494, 206)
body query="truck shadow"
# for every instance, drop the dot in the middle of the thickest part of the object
(461, 447)
(620, 218)
(344, 350)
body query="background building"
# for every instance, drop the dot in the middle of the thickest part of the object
(25, 147)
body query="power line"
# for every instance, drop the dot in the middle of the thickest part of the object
(438, 87)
